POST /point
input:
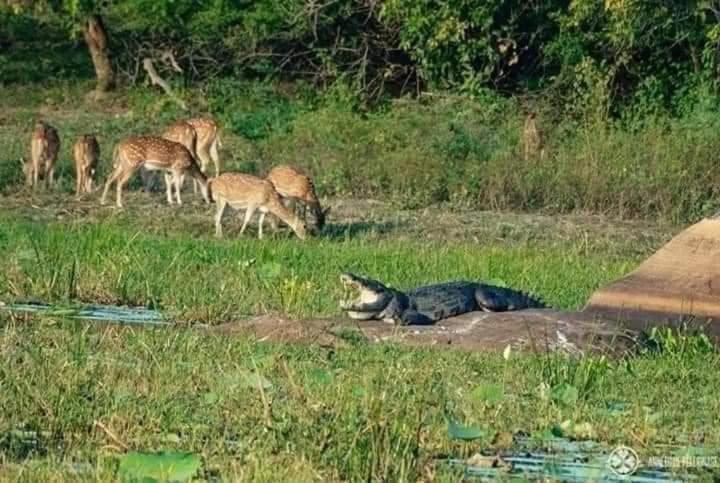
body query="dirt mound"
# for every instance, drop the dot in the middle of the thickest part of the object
(524, 330)
(680, 281)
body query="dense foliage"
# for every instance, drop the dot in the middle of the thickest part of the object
(653, 55)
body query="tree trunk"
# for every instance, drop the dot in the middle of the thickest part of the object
(96, 39)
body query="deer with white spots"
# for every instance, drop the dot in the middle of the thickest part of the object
(295, 186)
(208, 142)
(154, 154)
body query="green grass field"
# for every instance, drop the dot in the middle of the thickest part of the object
(75, 396)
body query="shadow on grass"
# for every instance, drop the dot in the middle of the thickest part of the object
(334, 231)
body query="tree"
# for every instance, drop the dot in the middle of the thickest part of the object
(74, 16)
(96, 39)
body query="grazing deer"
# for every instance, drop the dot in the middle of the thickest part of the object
(155, 154)
(182, 132)
(294, 185)
(208, 142)
(533, 142)
(179, 132)
(244, 191)
(86, 152)
(44, 148)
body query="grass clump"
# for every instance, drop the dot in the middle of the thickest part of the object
(267, 411)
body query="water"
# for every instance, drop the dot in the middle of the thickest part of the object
(564, 460)
(103, 313)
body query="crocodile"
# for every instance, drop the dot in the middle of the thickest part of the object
(430, 303)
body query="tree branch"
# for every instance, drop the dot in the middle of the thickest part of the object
(155, 79)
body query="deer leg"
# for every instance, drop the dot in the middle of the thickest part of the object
(196, 183)
(168, 187)
(218, 217)
(203, 157)
(179, 178)
(261, 220)
(113, 177)
(49, 176)
(214, 155)
(35, 174)
(249, 212)
(78, 183)
(146, 177)
(88, 183)
(124, 177)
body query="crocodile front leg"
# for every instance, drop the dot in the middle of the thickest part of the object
(413, 317)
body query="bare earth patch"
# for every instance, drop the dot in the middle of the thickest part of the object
(536, 330)
(350, 218)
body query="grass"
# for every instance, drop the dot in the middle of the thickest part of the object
(265, 412)
(122, 260)
(78, 395)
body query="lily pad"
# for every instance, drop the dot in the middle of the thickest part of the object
(565, 394)
(162, 466)
(491, 394)
(465, 433)
(321, 376)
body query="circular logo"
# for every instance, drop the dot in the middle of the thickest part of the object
(623, 461)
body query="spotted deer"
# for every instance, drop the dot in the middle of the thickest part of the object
(155, 154)
(44, 149)
(294, 185)
(179, 132)
(533, 142)
(244, 191)
(208, 142)
(86, 152)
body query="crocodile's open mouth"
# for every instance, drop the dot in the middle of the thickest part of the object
(354, 293)
(361, 298)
